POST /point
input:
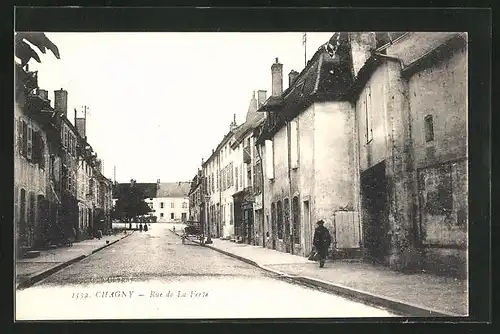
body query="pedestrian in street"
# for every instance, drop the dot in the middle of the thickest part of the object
(321, 242)
(145, 227)
(140, 227)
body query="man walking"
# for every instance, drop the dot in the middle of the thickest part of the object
(321, 242)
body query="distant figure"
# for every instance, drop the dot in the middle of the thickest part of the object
(321, 241)
(140, 227)
(174, 228)
(99, 234)
(145, 227)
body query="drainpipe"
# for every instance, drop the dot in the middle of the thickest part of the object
(262, 194)
(289, 157)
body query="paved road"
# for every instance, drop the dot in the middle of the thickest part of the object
(152, 275)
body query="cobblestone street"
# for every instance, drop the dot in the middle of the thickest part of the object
(156, 266)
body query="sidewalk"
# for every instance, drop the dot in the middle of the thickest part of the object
(30, 271)
(416, 294)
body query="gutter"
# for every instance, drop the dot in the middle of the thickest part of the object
(264, 234)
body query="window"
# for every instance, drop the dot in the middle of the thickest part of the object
(269, 159)
(273, 217)
(29, 141)
(429, 129)
(162, 205)
(172, 215)
(172, 205)
(231, 213)
(368, 115)
(279, 219)
(231, 174)
(296, 220)
(286, 217)
(184, 216)
(294, 144)
(161, 214)
(22, 131)
(249, 175)
(184, 205)
(236, 175)
(38, 149)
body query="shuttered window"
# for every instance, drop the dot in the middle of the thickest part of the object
(24, 147)
(20, 136)
(29, 145)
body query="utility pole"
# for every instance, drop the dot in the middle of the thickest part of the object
(304, 42)
(85, 109)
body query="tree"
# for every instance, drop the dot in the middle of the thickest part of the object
(130, 204)
(25, 52)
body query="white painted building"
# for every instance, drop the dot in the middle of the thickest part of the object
(171, 203)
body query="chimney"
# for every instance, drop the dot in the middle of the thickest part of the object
(291, 77)
(233, 123)
(202, 161)
(277, 78)
(98, 165)
(261, 97)
(362, 44)
(80, 126)
(61, 101)
(42, 93)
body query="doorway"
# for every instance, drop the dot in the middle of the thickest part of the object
(307, 227)
(286, 218)
(375, 213)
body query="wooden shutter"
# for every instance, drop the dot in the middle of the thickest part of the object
(29, 150)
(20, 136)
(35, 147)
(41, 150)
(24, 146)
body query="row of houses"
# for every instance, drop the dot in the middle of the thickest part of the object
(168, 201)
(60, 191)
(371, 137)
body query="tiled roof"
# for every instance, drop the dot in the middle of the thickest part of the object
(174, 189)
(324, 78)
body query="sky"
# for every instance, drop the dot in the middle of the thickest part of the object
(160, 102)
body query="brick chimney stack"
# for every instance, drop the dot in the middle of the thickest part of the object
(292, 76)
(261, 97)
(277, 78)
(61, 101)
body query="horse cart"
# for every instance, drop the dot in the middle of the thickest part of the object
(193, 232)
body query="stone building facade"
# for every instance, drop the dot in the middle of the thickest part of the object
(371, 138)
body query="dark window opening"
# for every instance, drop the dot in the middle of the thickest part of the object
(280, 219)
(429, 129)
(296, 220)
(273, 218)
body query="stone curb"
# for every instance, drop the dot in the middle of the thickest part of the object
(37, 277)
(393, 305)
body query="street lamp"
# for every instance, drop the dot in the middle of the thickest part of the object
(209, 239)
